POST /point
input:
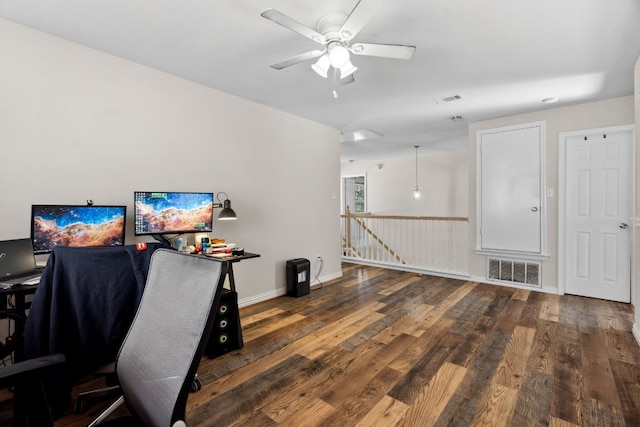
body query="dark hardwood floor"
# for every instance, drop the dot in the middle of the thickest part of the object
(384, 348)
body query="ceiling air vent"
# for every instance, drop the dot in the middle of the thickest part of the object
(447, 99)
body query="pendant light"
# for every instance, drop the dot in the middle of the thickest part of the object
(417, 194)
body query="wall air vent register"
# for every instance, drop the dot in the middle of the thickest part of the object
(515, 272)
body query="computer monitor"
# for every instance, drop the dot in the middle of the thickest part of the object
(76, 225)
(158, 213)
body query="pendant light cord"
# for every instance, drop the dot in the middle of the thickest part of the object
(417, 194)
(416, 146)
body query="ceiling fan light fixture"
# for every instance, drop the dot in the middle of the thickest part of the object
(347, 69)
(322, 66)
(338, 55)
(335, 32)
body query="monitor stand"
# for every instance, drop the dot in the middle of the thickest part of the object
(162, 239)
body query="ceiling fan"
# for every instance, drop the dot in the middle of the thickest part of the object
(335, 33)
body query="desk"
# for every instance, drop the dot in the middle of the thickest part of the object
(232, 259)
(20, 292)
(18, 314)
(226, 335)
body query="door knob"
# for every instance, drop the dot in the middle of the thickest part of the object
(623, 225)
(534, 209)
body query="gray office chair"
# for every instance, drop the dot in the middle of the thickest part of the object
(159, 357)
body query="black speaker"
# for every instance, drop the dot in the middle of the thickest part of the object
(226, 334)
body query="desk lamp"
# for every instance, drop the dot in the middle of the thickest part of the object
(226, 214)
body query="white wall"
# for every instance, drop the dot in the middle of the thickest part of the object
(601, 114)
(77, 124)
(442, 178)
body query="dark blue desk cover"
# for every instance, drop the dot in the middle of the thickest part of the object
(83, 307)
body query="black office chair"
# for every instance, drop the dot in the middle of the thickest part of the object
(159, 357)
(30, 404)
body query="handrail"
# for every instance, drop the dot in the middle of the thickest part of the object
(420, 218)
(430, 243)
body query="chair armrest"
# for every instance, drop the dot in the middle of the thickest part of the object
(31, 368)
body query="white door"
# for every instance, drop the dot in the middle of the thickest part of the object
(510, 203)
(598, 209)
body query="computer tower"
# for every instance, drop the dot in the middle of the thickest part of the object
(226, 334)
(298, 277)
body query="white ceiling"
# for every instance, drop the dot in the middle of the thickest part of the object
(502, 56)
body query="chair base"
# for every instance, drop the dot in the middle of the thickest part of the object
(85, 399)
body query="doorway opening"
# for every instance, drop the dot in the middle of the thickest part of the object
(354, 194)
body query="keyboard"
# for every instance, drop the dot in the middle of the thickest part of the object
(30, 279)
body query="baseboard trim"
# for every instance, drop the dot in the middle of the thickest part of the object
(262, 297)
(636, 332)
(245, 302)
(324, 279)
(513, 285)
(392, 266)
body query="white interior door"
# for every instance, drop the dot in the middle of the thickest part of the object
(510, 202)
(598, 209)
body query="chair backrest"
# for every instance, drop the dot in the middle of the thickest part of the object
(160, 354)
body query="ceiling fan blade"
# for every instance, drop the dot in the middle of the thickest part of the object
(358, 18)
(396, 51)
(293, 25)
(297, 59)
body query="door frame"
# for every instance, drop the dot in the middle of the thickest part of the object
(342, 189)
(562, 191)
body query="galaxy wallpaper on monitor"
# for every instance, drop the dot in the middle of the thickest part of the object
(56, 225)
(157, 213)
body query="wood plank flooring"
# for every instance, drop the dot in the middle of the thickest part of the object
(381, 347)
